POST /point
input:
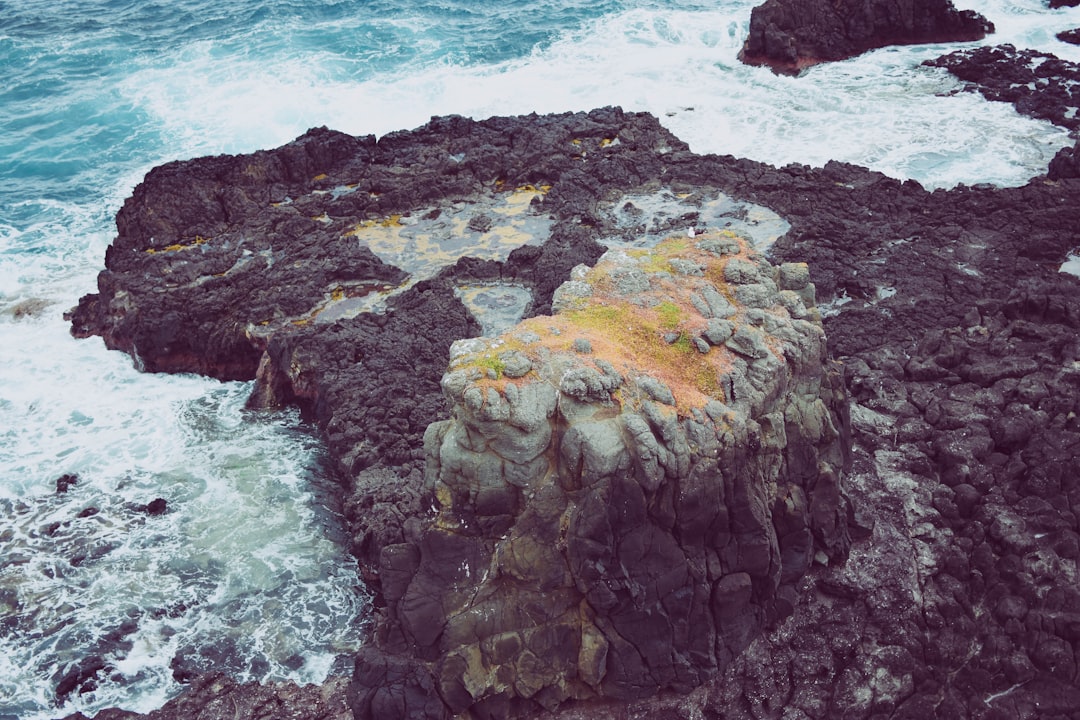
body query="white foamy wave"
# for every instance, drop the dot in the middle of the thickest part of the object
(1028, 24)
(241, 562)
(881, 110)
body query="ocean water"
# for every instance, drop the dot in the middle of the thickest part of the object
(247, 559)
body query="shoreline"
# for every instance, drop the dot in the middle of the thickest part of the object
(905, 354)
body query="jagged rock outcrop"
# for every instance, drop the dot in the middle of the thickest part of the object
(1066, 164)
(627, 492)
(1070, 36)
(789, 35)
(1038, 84)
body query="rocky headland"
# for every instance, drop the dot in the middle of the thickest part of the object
(626, 492)
(556, 529)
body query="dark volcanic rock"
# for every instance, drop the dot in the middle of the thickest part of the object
(212, 253)
(65, 482)
(1070, 36)
(214, 697)
(1038, 84)
(1066, 164)
(616, 524)
(791, 34)
(961, 343)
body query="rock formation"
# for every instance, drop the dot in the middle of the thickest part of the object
(627, 492)
(1070, 36)
(789, 35)
(213, 696)
(1038, 84)
(960, 335)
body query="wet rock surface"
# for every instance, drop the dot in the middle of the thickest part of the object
(789, 35)
(1038, 84)
(961, 343)
(1070, 36)
(213, 697)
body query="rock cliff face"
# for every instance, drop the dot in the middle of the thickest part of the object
(789, 35)
(627, 492)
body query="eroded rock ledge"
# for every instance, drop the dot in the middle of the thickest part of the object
(627, 492)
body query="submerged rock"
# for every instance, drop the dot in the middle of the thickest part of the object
(621, 522)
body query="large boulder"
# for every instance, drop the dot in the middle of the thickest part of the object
(627, 492)
(789, 35)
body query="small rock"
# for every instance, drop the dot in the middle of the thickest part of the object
(583, 346)
(657, 390)
(718, 331)
(718, 246)
(748, 341)
(157, 506)
(793, 276)
(64, 482)
(480, 223)
(712, 304)
(629, 281)
(755, 295)
(687, 267)
(570, 294)
(742, 272)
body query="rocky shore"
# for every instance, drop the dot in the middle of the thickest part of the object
(553, 534)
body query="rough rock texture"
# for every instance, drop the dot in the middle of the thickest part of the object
(213, 254)
(789, 35)
(620, 513)
(1037, 84)
(962, 343)
(213, 697)
(1069, 36)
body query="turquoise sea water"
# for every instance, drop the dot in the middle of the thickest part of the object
(94, 94)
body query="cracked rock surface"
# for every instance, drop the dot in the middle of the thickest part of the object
(624, 520)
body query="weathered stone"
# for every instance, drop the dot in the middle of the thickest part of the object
(789, 35)
(636, 481)
(718, 331)
(515, 364)
(748, 341)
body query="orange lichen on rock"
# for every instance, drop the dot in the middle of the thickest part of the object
(672, 313)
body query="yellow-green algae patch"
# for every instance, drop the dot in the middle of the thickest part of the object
(489, 228)
(177, 247)
(648, 332)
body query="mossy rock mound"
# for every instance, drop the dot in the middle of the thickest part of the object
(629, 489)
